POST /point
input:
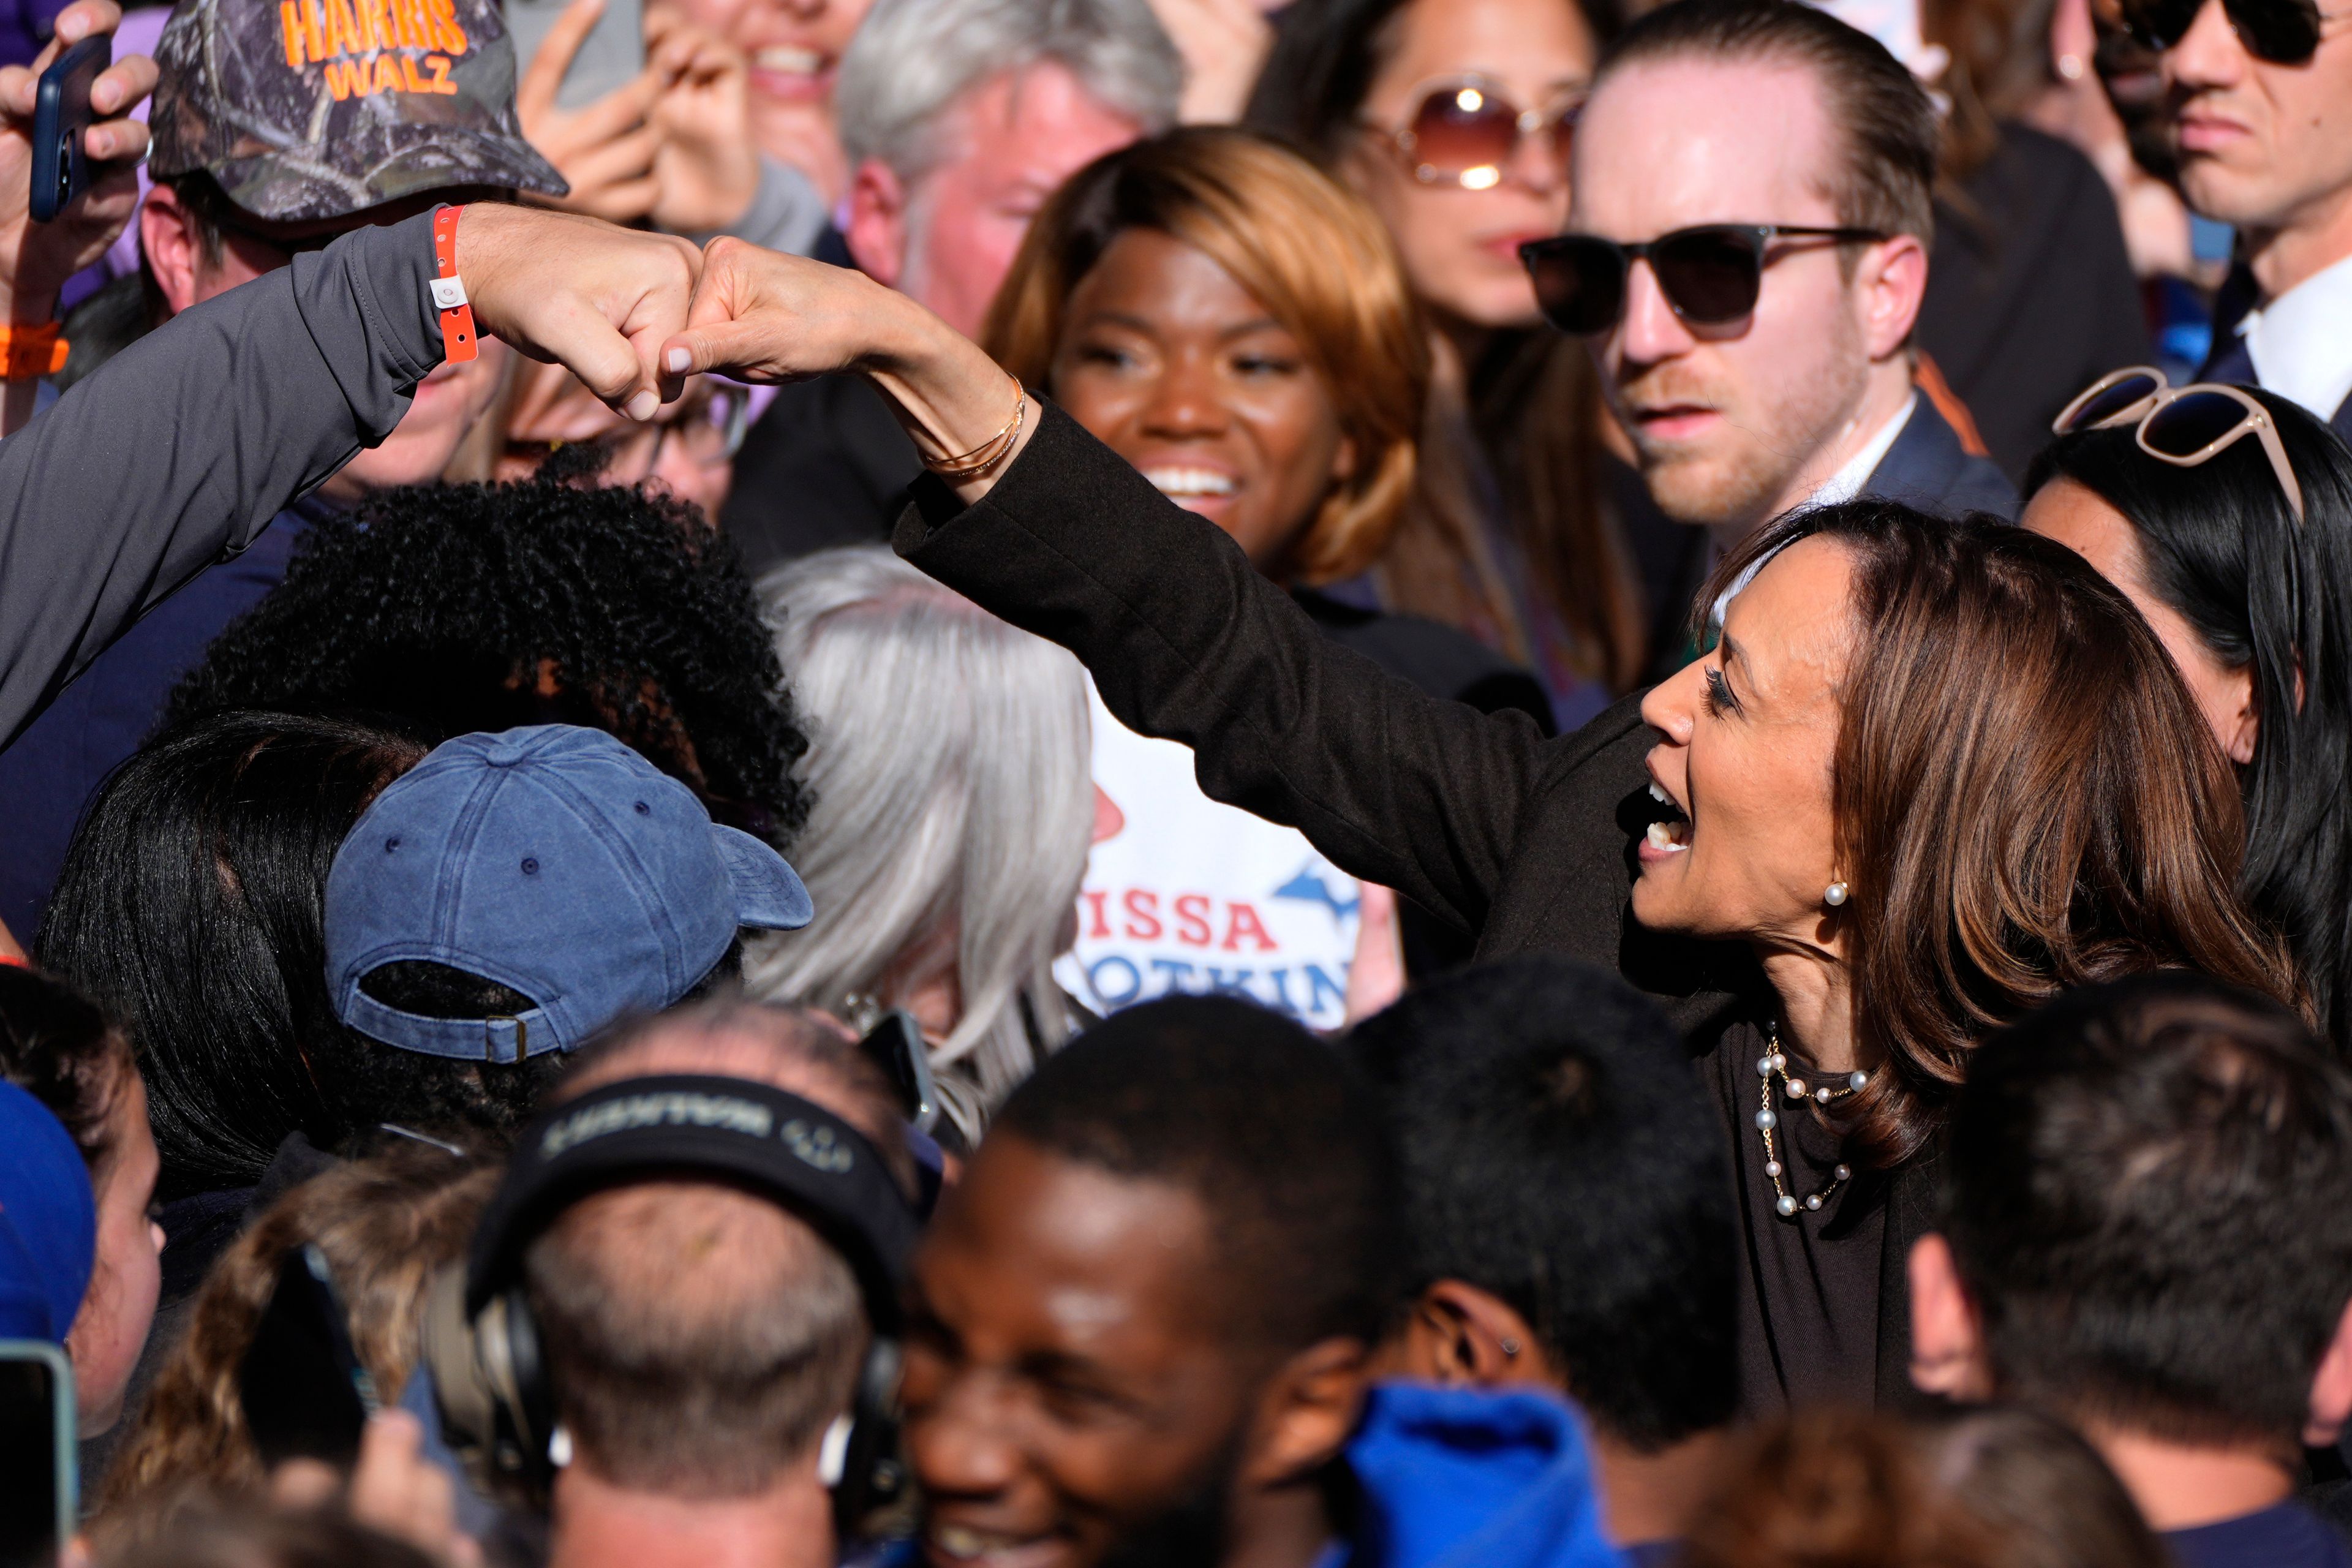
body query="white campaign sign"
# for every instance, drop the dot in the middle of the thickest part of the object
(1182, 894)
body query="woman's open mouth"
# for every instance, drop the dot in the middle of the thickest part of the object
(1669, 835)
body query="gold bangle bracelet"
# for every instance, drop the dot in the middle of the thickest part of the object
(982, 463)
(981, 453)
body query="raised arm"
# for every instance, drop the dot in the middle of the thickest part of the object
(1185, 639)
(186, 444)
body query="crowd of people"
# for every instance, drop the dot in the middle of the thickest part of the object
(1095, 783)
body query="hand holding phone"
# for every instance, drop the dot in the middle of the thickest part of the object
(62, 116)
(35, 259)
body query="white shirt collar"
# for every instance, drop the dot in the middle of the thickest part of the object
(1847, 482)
(1841, 485)
(2301, 343)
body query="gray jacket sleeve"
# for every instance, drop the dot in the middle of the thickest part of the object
(185, 444)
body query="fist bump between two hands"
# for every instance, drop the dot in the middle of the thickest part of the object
(633, 313)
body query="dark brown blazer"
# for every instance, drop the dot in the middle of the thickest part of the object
(1523, 842)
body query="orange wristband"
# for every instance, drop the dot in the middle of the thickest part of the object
(457, 344)
(31, 350)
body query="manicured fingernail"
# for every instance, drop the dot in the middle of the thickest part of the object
(678, 360)
(643, 406)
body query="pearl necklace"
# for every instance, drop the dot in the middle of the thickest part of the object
(1774, 1064)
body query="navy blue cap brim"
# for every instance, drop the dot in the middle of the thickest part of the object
(768, 893)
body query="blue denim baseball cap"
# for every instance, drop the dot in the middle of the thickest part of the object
(557, 862)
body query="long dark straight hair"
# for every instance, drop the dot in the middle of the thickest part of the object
(191, 905)
(2220, 546)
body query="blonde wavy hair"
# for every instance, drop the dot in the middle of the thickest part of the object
(1305, 247)
(386, 1225)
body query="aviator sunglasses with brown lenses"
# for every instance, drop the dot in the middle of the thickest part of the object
(1465, 129)
(2183, 425)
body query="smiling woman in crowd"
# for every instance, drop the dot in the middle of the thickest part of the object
(2253, 601)
(1236, 326)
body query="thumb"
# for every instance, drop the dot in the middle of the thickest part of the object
(731, 348)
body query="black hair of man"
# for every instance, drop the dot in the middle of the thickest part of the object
(1280, 1140)
(458, 608)
(2148, 1198)
(1560, 1154)
(1892, 133)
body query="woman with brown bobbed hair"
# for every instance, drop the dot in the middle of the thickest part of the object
(386, 1225)
(1235, 324)
(1928, 774)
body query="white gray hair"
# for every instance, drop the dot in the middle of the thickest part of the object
(949, 756)
(910, 60)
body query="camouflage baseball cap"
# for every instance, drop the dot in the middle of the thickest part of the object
(319, 109)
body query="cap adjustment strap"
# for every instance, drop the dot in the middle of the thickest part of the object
(457, 344)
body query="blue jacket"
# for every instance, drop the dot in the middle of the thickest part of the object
(1463, 1479)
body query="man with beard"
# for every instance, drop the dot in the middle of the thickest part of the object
(1142, 1330)
(1746, 254)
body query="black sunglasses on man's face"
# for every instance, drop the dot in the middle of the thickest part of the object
(2284, 32)
(1711, 274)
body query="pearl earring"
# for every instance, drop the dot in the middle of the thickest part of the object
(1510, 1347)
(1834, 895)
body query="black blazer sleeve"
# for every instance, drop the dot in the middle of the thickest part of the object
(1188, 642)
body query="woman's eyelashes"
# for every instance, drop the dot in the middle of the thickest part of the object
(1720, 700)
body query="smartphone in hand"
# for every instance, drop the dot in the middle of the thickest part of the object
(61, 113)
(304, 1392)
(36, 1453)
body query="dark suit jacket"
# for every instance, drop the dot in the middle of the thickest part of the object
(1522, 841)
(826, 463)
(1928, 468)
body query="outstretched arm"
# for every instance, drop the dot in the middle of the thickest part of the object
(1185, 639)
(186, 444)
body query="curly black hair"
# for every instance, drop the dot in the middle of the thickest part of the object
(453, 608)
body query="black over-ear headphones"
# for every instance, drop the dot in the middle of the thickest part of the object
(497, 1401)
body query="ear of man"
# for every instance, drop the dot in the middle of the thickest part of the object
(1306, 1413)
(169, 239)
(1892, 282)
(2331, 1388)
(1458, 1336)
(876, 231)
(1947, 1331)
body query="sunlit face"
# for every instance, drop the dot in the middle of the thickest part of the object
(794, 47)
(1727, 421)
(1747, 738)
(1461, 246)
(1013, 141)
(1179, 371)
(2263, 146)
(2078, 519)
(111, 1327)
(1066, 1384)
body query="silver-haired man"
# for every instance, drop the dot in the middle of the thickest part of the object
(959, 117)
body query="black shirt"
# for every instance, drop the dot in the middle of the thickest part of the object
(2287, 1535)
(1809, 1285)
